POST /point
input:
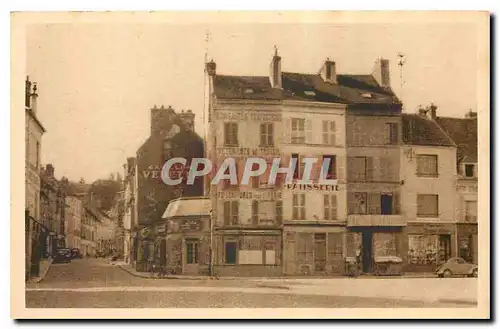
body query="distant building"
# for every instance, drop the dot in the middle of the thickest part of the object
(74, 214)
(32, 166)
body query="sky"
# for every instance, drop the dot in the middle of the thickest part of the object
(98, 82)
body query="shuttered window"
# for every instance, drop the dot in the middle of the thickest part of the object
(427, 205)
(330, 206)
(231, 134)
(298, 131)
(231, 212)
(299, 206)
(329, 132)
(427, 165)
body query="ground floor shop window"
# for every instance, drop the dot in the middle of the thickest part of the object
(429, 249)
(385, 244)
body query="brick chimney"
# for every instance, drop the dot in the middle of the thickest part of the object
(49, 170)
(187, 119)
(211, 68)
(433, 111)
(381, 72)
(275, 70)
(161, 119)
(471, 115)
(329, 72)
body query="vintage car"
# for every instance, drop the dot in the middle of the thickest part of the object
(62, 255)
(456, 266)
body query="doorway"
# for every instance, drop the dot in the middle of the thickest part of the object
(367, 250)
(444, 248)
(319, 252)
(191, 256)
(386, 204)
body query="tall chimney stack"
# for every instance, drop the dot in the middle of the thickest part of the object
(275, 68)
(329, 72)
(211, 68)
(381, 72)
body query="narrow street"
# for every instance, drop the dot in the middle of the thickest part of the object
(96, 283)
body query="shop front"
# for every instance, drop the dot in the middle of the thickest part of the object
(374, 246)
(317, 251)
(467, 242)
(429, 245)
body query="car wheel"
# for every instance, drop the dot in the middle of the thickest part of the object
(447, 274)
(474, 273)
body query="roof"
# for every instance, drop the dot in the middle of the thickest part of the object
(463, 131)
(349, 89)
(194, 206)
(34, 117)
(420, 130)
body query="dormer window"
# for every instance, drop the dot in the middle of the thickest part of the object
(309, 93)
(248, 91)
(469, 171)
(366, 95)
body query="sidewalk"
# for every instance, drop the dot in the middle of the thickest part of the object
(44, 269)
(147, 275)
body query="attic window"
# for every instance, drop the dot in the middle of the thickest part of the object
(366, 95)
(248, 91)
(309, 93)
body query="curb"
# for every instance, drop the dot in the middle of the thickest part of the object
(458, 301)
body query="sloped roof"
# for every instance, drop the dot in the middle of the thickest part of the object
(463, 131)
(420, 130)
(349, 89)
(194, 206)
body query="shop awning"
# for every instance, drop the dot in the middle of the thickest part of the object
(184, 207)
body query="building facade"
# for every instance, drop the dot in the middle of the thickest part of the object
(90, 221)
(428, 160)
(32, 166)
(129, 216)
(353, 122)
(74, 214)
(172, 135)
(463, 131)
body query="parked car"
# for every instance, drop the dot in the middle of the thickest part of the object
(75, 253)
(62, 255)
(456, 266)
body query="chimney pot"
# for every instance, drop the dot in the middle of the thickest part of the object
(211, 68)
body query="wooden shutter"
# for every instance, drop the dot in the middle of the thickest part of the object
(333, 206)
(235, 212)
(373, 203)
(341, 167)
(309, 131)
(369, 169)
(255, 212)
(279, 212)
(326, 207)
(333, 133)
(286, 130)
(262, 133)
(396, 203)
(326, 138)
(227, 213)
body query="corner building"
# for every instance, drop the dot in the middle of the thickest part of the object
(295, 228)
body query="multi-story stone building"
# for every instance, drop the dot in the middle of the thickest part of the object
(172, 135)
(33, 223)
(463, 131)
(428, 187)
(352, 120)
(90, 221)
(74, 213)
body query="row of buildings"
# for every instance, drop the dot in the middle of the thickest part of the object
(406, 182)
(56, 214)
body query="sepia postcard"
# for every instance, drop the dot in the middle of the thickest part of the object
(185, 165)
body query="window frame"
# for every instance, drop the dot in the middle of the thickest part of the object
(329, 132)
(428, 215)
(472, 166)
(298, 130)
(194, 253)
(231, 132)
(236, 249)
(298, 206)
(424, 174)
(266, 134)
(330, 212)
(392, 133)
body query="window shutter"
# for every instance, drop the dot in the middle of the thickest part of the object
(227, 213)
(340, 167)
(303, 209)
(279, 212)
(255, 212)
(396, 203)
(286, 130)
(333, 206)
(369, 169)
(235, 212)
(262, 133)
(326, 206)
(270, 132)
(373, 203)
(326, 139)
(309, 131)
(333, 133)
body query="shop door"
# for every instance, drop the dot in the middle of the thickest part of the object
(319, 252)
(444, 248)
(191, 263)
(367, 252)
